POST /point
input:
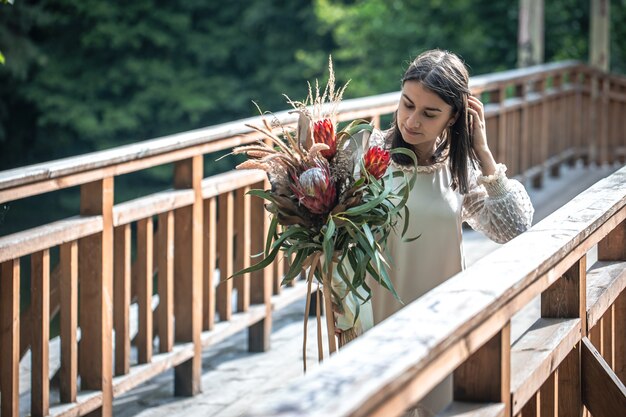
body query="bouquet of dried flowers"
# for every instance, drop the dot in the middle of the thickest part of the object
(333, 204)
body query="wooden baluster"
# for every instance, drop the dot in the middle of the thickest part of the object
(225, 246)
(95, 256)
(486, 375)
(587, 117)
(567, 298)
(603, 116)
(620, 344)
(260, 281)
(145, 244)
(549, 396)
(10, 337)
(531, 409)
(165, 281)
(556, 122)
(188, 273)
(525, 146)
(121, 298)
(40, 299)
(243, 219)
(210, 259)
(68, 261)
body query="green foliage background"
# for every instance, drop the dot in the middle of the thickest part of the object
(86, 75)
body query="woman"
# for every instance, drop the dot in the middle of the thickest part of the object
(457, 180)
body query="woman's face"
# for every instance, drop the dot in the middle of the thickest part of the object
(422, 114)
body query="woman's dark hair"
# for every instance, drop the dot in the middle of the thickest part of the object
(444, 74)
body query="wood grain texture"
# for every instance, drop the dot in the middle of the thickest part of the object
(121, 298)
(188, 272)
(549, 396)
(165, 281)
(68, 261)
(613, 246)
(620, 341)
(605, 282)
(210, 263)
(566, 298)
(538, 353)
(243, 222)
(569, 383)
(10, 337)
(603, 393)
(40, 299)
(461, 409)
(225, 247)
(95, 266)
(145, 244)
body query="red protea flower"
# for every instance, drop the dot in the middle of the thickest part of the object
(376, 161)
(324, 132)
(315, 189)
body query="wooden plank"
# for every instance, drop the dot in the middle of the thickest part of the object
(165, 281)
(620, 340)
(549, 396)
(9, 334)
(486, 375)
(537, 354)
(608, 329)
(145, 245)
(225, 246)
(531, 409)
(603, 393)
(43, 237)
(612, 247)
(95, 256)
(606, 280)
(569, 384)
(210, 258)
(461, 409)
(121, 298)
(260, 281)
(40, 293)
(566, 298)
(151, 205)
(188, 272)
(68, 261)
(243, 220)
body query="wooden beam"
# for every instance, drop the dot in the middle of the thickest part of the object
(40, 341)
(68, 284)
(603, 393)
(188, 272)
(165, 281)
(599, 44)
(95, 265)
(10, 336)
(530, 39)
(486, 375)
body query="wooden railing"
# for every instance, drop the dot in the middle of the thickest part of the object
(537, 118)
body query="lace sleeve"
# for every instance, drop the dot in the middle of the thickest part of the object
(497, 206)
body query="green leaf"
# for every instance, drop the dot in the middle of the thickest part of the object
(328, 244)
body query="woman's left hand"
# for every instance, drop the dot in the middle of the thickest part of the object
(478, 130)
(476, 110)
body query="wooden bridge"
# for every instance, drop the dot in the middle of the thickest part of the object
(538, 119)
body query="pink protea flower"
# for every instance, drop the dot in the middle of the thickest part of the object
(324, 132)
(315, 189)
(376, 161)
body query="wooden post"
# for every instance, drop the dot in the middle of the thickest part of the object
(603, 393)
(613, 246)
(549, 394)
(210, 263)
(188, 272)
(599, 44)
(243, 220)
(260, 281)
(95, 256)
(145, 247)
(567, 298)
(165, 280)
(486, 375)
(10, 336)
(225, 244)
(69, 320)
(40, 290)
(530, 39)
(121, 298)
